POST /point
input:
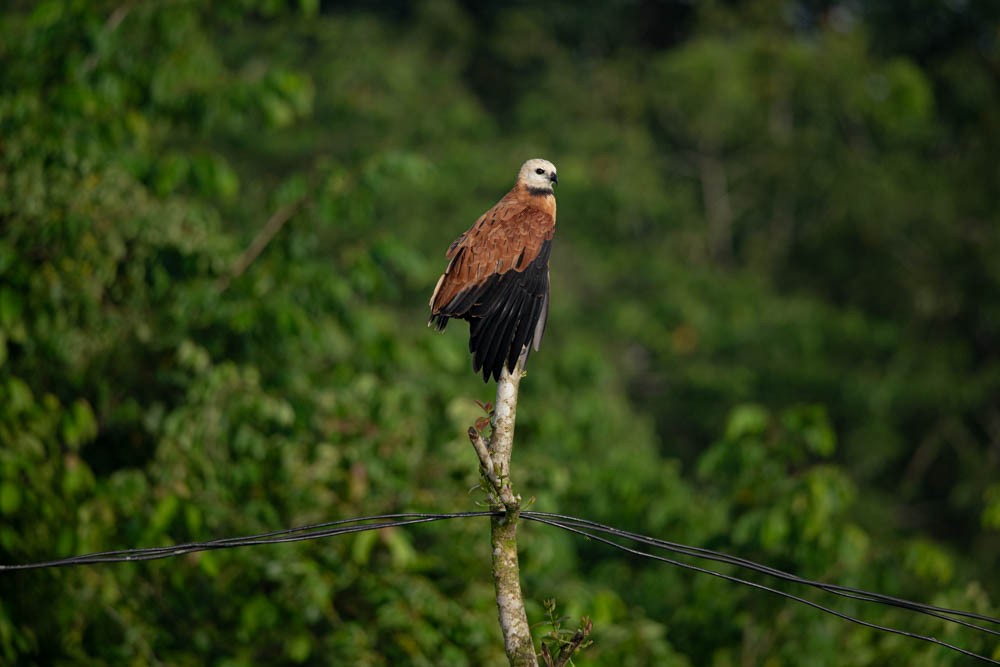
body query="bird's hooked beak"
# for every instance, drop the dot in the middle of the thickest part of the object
(553, 178)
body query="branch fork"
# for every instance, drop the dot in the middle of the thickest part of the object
(500, 488)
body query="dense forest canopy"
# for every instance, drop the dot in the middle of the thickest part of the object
(775, 326)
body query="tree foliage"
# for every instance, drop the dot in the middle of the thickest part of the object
(775, 326)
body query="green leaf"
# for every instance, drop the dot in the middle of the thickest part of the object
(10, 498)
(745, 420)
(929, 561)
(77, 476)
(361, 549)
(402, 551)
(299, 647)
(10, 308)
(309, 8)
(47, 13)
(163, 515)
(991, 512)
(79, 425)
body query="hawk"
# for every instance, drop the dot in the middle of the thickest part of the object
(498, 274)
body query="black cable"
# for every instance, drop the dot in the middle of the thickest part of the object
(942, 613)
(687, 566)
(569, 523)
(301, 533)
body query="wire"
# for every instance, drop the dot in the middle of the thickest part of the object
(942, 613)
(299, 534)
(567, 526)
(589, 529)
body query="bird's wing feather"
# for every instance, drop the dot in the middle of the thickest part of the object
(497, 278)
(507, 237)
(543, 316)
(506, 316)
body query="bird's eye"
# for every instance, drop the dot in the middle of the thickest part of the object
(539, 171)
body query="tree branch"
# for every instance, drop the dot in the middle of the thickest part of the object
(718, 209)
(569, 646)
(494, 463)
(264, 236)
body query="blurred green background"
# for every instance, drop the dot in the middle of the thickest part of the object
(775, 327)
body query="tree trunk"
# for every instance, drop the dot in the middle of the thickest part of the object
(506, 572)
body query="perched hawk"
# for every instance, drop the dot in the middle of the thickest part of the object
(498, 276)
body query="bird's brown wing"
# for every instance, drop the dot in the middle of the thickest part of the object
(498, 280)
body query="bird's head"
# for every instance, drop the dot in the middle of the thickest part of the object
(538, 176)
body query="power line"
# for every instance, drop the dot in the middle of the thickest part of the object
(847, 617)
(583, 527)
(299, 534)
(942, 613)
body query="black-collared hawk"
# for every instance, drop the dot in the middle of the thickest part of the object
(498, 276)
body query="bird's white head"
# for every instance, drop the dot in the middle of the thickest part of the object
(538, 176)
